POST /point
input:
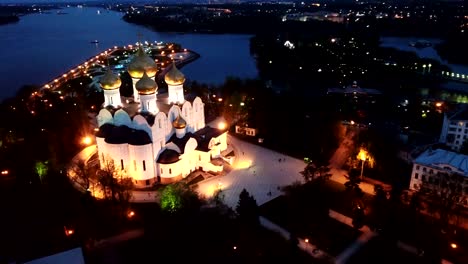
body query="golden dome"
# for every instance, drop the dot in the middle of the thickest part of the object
(110, 81)
(140, 64)
(146, 85)
(174, 76)
(179, 123)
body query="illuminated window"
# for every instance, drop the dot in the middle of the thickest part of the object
(144, 166)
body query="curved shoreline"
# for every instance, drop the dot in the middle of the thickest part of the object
(80, 70)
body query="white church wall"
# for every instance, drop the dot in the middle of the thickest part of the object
(120, 154)
(170, 172)
(198, 114)
(141, 163)
(140, 123)
(188, 115)
(101, 147)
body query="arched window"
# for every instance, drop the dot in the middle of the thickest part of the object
(121, 164)
(170, 171)
(144, 166)
(134, 165)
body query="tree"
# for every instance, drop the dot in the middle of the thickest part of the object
(124, 191)
(316, 169)
(179, 197)
(380, 208)
(106, 178)
(247, 208)
(353, 183)
(41, 168)
(444, 196)
(81, 173)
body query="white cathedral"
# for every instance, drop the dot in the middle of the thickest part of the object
(155, 137)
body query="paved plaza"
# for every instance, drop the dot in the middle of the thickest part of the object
(262, 172)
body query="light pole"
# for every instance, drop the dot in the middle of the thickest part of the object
(363, 157)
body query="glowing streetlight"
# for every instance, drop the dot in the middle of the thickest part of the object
(68, 232)
(453, 245)
(221, 125)
(86, 140)
(363, 156)
(5, 172)
(131, 214)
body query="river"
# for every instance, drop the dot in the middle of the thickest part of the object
(43, 46)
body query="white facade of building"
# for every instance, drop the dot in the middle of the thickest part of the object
(441, 169)
(454, 130)
(157, 137)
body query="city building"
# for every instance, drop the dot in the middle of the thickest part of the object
(244, 129)
(152, 136)
(441, 170)
(455, 129)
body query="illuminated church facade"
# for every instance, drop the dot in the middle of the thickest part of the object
(151, 136)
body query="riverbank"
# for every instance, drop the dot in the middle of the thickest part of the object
(221, 56)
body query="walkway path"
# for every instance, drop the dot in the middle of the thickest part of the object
(339, 159)
(258, 170)
(304, 245)
(367, 234)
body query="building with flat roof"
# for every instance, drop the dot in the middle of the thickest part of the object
(455, 129)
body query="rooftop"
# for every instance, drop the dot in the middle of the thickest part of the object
(443, 159)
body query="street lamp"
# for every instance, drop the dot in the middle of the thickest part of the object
(221, 125)
(363, 156)
(87, 140)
